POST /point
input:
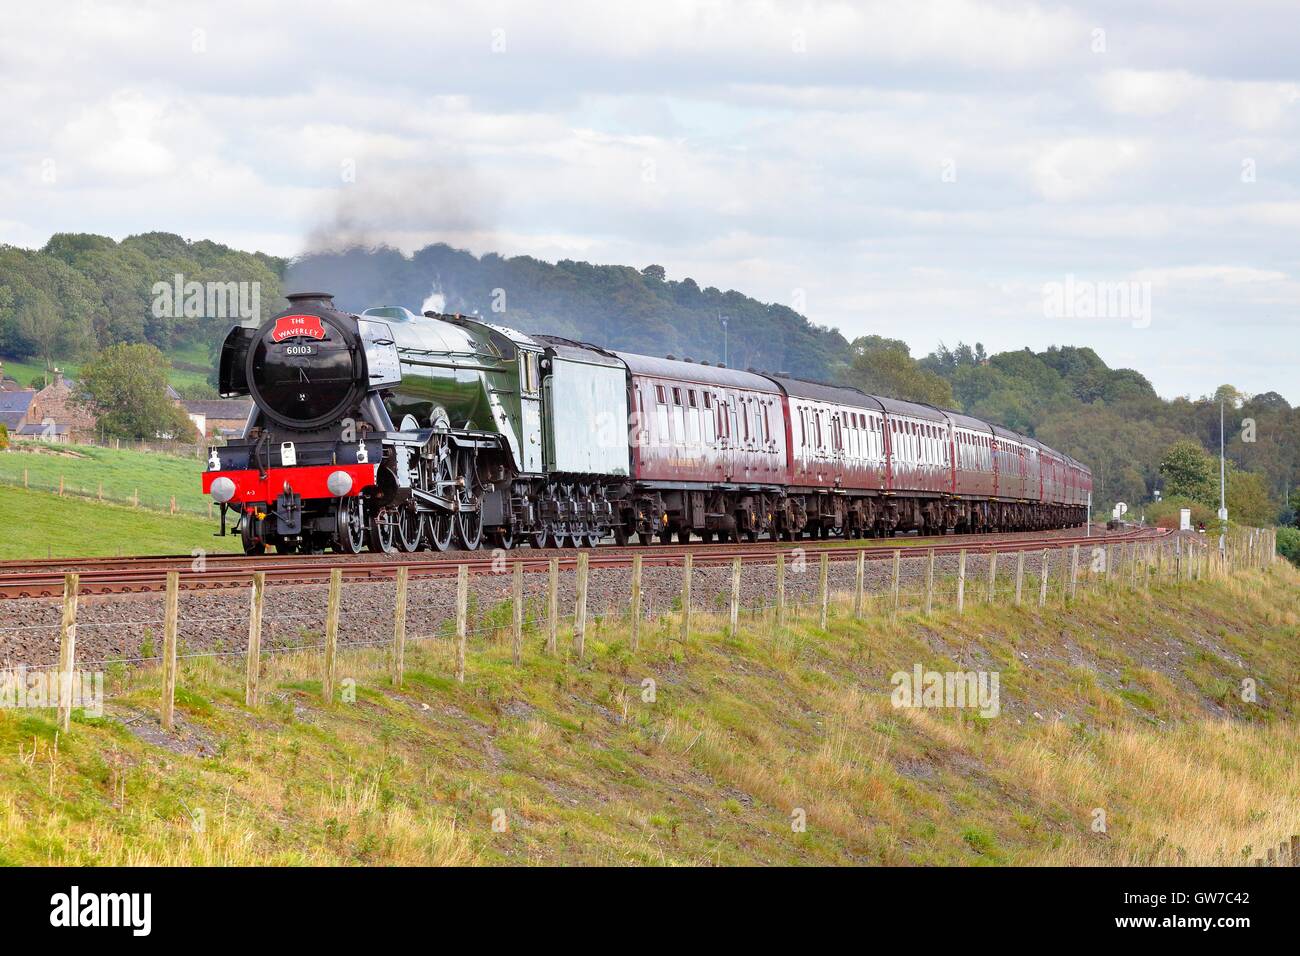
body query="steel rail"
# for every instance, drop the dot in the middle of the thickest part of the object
(149, 573)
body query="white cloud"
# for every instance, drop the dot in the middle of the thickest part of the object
(748, 143)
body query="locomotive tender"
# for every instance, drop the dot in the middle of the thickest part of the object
(397, 431)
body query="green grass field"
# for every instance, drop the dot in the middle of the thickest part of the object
(764, 748)
(39, 524)
(123, 473)
(25, 371)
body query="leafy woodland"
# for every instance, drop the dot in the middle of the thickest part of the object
(82, 293)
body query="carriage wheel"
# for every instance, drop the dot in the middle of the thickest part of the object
(381, 533)
(409, 531)
(469, 529)
(253, 542)
(350, 537)
(439, 528)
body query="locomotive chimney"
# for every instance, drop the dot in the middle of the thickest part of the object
(324, 300)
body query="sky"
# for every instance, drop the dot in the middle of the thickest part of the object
(1118, 175)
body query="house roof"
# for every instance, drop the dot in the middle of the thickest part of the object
(12, 420)
(226, 409)
(37, 429)
(16, 401)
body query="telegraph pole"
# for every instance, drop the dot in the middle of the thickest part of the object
(1223, 487)
(723, 319)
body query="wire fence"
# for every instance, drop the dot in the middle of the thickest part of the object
(554, 615)
(136, 497)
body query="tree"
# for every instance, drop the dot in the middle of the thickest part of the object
(1248, 501)
(41, 321)
(1189, 473)
(885, 367)
(127, 387)
(4, 436)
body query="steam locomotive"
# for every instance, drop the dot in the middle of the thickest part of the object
(395, 431)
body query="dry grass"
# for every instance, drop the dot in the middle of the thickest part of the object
(1124, 703)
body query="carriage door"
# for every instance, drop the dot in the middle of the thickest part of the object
(530, 413)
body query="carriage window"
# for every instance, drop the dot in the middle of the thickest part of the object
(662, 435)
(708, 421)
(679, 416)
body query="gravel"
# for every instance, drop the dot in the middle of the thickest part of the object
(128, 627)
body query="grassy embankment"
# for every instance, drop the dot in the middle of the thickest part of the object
(122, 474)
(1127, 703)
(39, 525)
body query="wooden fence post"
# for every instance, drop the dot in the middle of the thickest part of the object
(462, 619)
(961, 582)
(735, 596)
(60, 486)
(580, 608)
(1020, 576)
(169, 651)
(780, 589)
(399, 629)
(517, 648)
(824, 588)
(929, 584)
(253, 665)
(68, 648)
(636, 601)
(859, 583)
(993, 575)
(1042, 581)
(1074, 571)
(687, 564)
(553, 604)
(898, 561)
(331, 635)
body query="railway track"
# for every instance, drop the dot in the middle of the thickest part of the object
(44, 578)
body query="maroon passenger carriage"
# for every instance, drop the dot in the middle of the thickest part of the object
(708, 450)
(723, 453)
